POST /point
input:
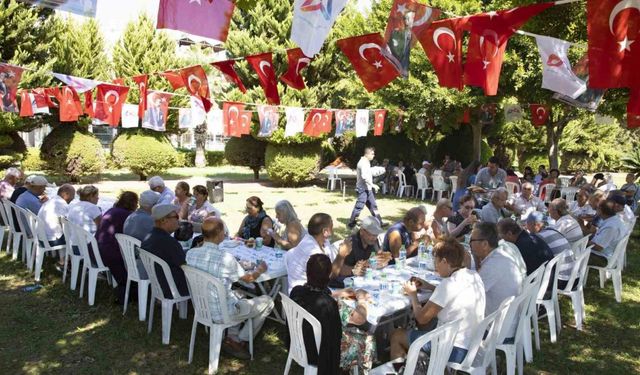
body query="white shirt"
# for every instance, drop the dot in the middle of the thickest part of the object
(627, 214)
(609, 234)
(578, 211)
(50, 214)
(525, 206)
(461, 295)
(84, 213)
(296, 259)
(569, 227)
(166, 197)
(199, 214)
(501, 276)
(365, 178)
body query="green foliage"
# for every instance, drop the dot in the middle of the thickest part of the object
(72, 152)
(292, 165)
(246, 151)
(32, 160)
(80, 50)
(186, 158)
(631, 162)
(13, 151)
(533, 161)
(144, 152)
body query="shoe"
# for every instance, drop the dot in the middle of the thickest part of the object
(235, 349)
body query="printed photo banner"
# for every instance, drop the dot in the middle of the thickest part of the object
(155, 117)
(85, 8)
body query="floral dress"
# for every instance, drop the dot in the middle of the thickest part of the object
(357, 348)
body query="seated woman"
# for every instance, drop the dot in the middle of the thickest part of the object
(200, 209)
(551, 179)
(293, 229)
(85, 212)
(256, 223)
(527, 175)
(461, 223)
(578, 180)
(460, 295)
(466, 178)
(112, 223)
(182, 198)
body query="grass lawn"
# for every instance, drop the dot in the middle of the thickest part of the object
(53, 331)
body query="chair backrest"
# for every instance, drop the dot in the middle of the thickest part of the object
(402, 179)
(81, 238)
(482, 347)
(150, 261)
(422, 181)
(12, 213)
(296, 315)
(578, 271)
(439, 184)
(32, 221)
(579, 246)
(569, 193)
(454, 182)
(550, 274)
(531, 287)
(41, 233)
(512, 187)
(333, 173)
(24, 222)
(201, 284)
(128, 246)
(3, 213)
(69, 240)
(441, 339)
(617, 258)
(547, 188)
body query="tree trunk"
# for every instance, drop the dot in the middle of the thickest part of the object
(200, 136)
(256, 173)
(552, 146)
(476, 127)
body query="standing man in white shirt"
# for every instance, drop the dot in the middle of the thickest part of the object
(167, 196)
(51, 212)
(365, 189)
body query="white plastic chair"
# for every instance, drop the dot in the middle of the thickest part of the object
(423, 185)
(128, 246)
(482, 347)
(512, 351)
(41, 245)
(569, 193)
(402, 185)
(452, 186)
(27, 224)
(333, 177)
(439, 187)
(69, 255)
(577, 296)
(613, 269)
(296, 315)
(512, 188)
(6, 227)
(150, 261)
(14, 247)
(579, 246)
(547, 189)
(441, 339)
(551, 305)
(201, 285)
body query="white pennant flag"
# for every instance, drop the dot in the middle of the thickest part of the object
(312, 22)
(185, 121)
(214, 122)
(557, 74)
(129, 116)
(295, 121)
(512, 112)
(362, 122)
(198, 114)
(79, 84)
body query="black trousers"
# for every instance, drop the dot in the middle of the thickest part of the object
(368, 199)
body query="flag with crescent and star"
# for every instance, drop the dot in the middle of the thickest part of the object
(197, 17)
(613, 30)
(312, 22)
(155, 117)
(32, 103)
(263, 66)
(633, 109)
(539, 114)
(365, 54)
(174, 78)
(227, 69)
(378, 121)
(195, 80)
(236, 120)
(297, 61)
(406, 19)
(490, 33)
(10, 76)
(69, 104)
(557, 74)
(268, 116)
(442, 43)
(318, 122)
(109, 101)
(142, 81)
(362, 122)
(88, 104)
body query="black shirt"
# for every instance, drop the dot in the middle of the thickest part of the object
(358, 252)
(16, 193)
(534, 251)
(457, 219)
(161, 244)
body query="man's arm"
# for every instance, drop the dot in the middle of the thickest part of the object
(252, 276)
(338, 262)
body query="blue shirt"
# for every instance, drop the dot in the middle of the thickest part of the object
(29, 201)
(138, 225)
(405, 235)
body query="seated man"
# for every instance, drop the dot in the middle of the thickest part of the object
(533, 249)
(629, 189)
(51, 212)
(140, 223)
(404, 233)
(167, 196)
(222, 265)
(565, 223)
(495, 210)
(30, 199)
(8, 184)
(621, 207)
(491, 176)
(316, 241)
(609, 233)
(444, 209)
(525, 202)
(590, 223)
(161, 244)
(580, 207)
(363, 243)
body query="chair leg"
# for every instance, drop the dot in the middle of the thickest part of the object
(151, 308)
(143, 290)
(126, 296)
(536, 330)
(526, 341)
(39, 258)
(616, 277)
(558, 317)
(250, 323)
(287, 366)
(16, 246)
(66, 267)
(603, 277)
(93, 280)
(577, 310)
(75, 269)
(183, 308)
(551, 317)
(192, 341)
(167, 312)
(82, 278)
(215, 342)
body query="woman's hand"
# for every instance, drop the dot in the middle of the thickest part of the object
(362, 295)
(410, 288)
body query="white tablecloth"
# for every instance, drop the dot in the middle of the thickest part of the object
(275, 264)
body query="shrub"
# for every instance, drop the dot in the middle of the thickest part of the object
(32, 161)
(186, 158)
(12, 149)
(216, 158)
(72, 152)
(246, 152)
(144, 152)
(292, 165)
(533, 161)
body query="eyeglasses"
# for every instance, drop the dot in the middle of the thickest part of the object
(468, 207)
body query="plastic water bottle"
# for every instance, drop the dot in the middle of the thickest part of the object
(383, 282)
(422, 257)
(430, 260)
(373, 261)
(402, 257)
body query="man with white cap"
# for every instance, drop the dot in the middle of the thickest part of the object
(425, 168)
(363, 243)
(18, 191)
(30, 199)
(161, 244)
(7, 185)
(167, 196)
(140, 223)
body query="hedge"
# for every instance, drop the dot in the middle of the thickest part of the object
(72, 152)
(33, 161)
(144, 152)
(186, 158)
(12, 149)
(292, 165)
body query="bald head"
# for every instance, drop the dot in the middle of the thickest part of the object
(213, 230)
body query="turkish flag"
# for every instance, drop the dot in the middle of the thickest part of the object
(142, 81)
(26, 109)
(48, 93)
(539, 114)
(613, 29)
(70, 106)
(226, 68)
(365, 54)
(297, 62)
(118, 81)
(263, 66)
(466, 117)
(197, 84)
(174, 78)
(236, 120)
(32, 103)
(633, 109)
(442, 42)
(318, 122)
(88, 104)
(109, 101)
(378, 121)
(490, 33)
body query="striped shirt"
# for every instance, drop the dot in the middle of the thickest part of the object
(558, 243)
(569, 227)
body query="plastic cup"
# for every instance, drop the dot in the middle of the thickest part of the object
(259, 243)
